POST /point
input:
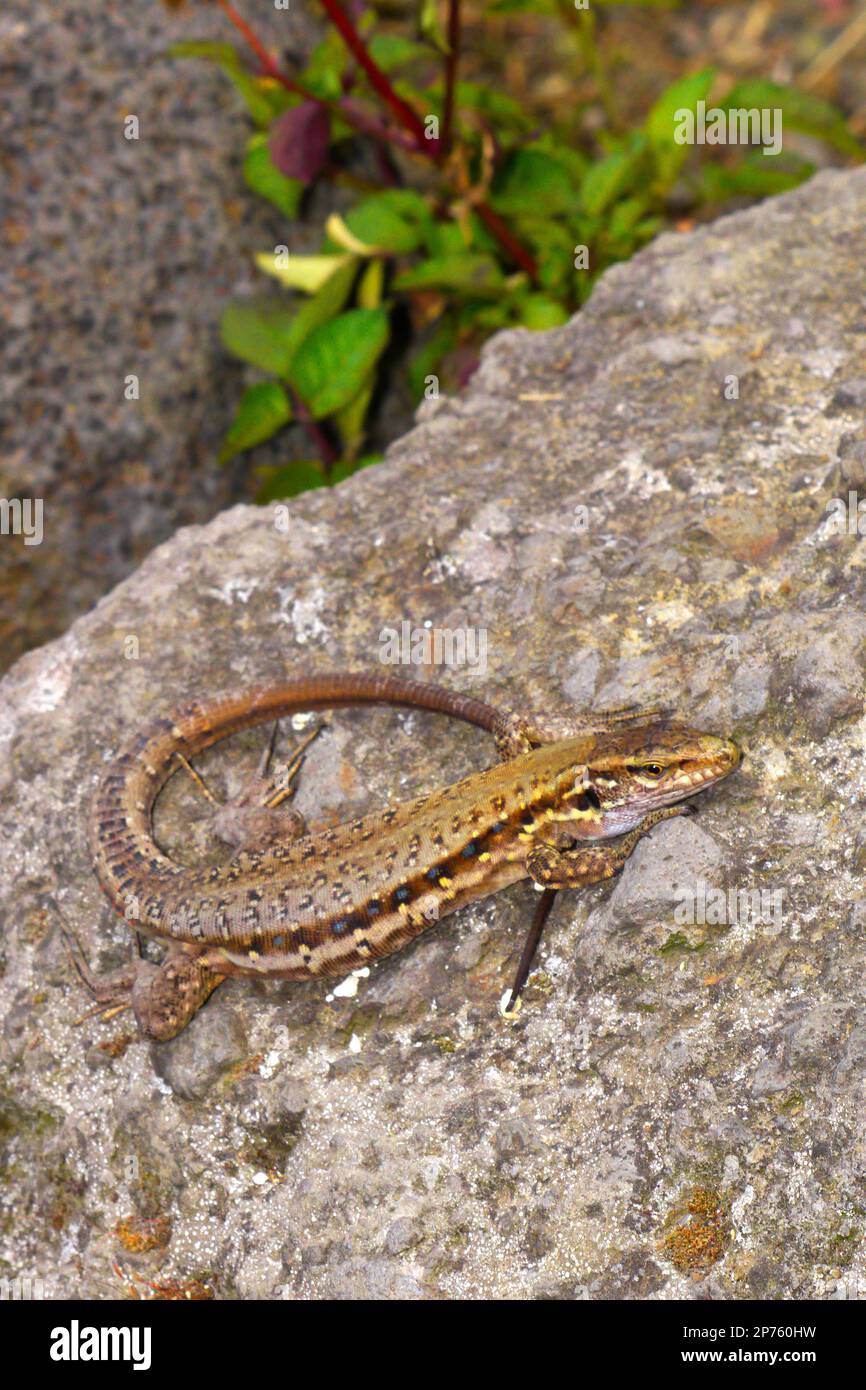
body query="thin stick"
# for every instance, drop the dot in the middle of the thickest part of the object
(830, 57)
(274, 798)
(265, 760)
(199, 780)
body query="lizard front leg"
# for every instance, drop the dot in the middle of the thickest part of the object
(553, 864)
(551, 867)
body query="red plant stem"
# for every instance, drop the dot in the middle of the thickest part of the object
(506, 238)
(258, 48)
(408, 118)
(353, 114)
(317, 436)
(453, 40)
(368, 124)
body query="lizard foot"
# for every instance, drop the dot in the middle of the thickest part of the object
(163, 997)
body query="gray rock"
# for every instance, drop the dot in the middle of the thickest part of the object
(402, 1235)
(852, 460)
(192, 1063)
(850, 395)
(672, 859)
(828, 673)
(298, 1141)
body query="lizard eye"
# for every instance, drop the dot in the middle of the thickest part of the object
(647, 769)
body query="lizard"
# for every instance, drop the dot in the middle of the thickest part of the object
(565, 805)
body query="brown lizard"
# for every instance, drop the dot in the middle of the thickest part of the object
(566, 807)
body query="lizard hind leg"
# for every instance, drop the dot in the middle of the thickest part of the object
(165, 997)
(518, 733)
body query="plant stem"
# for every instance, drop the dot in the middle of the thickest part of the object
(317, 436)
(351, 111)
(516, 250)
(264, 57)
(583, 21)
(408, 118)
(453, 40)
(355, 116)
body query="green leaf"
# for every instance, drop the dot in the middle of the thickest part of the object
(504, 112)
(371, 284)
(350, 421)
(299, 476)
(263, 410)
(663, 122)
(625, 216)
(379, 224)
(324, 72)
(608, 179)
(264, 178)
(445, 239)
(429, 26)
(484, 317)
(334, 360)
(264, 102)
(553, 242)
(572, 160)
(466, 274)
(800, 111)
(538, 311)
(755, 177)
(530, 179)
(545, 7)
(425, 360)
(648, 228)
(323, 306)
(261, 331)
(392, 51)
(268, 332)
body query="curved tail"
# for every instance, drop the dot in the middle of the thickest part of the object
(128, 862)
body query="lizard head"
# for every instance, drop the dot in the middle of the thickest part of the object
(641, 769)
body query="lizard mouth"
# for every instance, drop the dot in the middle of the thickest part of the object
(723, 758)
(700, 776)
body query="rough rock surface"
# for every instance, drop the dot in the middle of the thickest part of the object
(678, 1109)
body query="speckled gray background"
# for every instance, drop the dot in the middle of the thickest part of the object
(118, 257)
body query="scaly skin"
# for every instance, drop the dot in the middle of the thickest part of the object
(327, 902)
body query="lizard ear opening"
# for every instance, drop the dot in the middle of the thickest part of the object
(586, 799)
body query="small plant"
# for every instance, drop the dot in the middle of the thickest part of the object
(474, 219)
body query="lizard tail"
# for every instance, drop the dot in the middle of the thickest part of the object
(132, 870)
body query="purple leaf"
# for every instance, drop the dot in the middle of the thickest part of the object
(298, 141)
